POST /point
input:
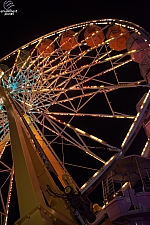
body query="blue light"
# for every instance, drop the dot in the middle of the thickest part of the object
(13, 86)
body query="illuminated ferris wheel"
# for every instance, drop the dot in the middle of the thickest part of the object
(82, 95)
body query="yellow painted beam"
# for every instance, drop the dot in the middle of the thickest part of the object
(32, 178)
(54, 162)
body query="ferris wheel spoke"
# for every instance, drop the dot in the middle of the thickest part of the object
(15, 64)
(71, 104)
(81, 146)
(64, 91)
(103, 88)
(96, 75)
(76, 59)
(98, 61)
(84, 55)
(88, 69)
(104, 72)
(112, 65)
(61, 57)
(116, 115)
(2, 202)
(109, 103)
(9, 195)
(4, 143)
(4, 164)
(90, 95)
(61, 132)
(84, 133)
(69, 139)
(59, 102)
(84, 80)
(83, 167)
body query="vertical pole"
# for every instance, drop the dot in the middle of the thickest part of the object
(28, 189)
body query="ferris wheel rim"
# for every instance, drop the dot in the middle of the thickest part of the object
(60, 30)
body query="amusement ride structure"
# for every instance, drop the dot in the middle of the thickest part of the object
(75, 126)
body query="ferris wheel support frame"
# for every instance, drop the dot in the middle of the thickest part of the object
(29, 174)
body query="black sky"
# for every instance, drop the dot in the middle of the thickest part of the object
(36, 18)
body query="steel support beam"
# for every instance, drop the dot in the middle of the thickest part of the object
(32, 177)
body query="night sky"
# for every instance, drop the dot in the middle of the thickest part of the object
(36, 18)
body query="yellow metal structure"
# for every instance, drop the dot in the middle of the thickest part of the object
(33, 180)
(51, 157)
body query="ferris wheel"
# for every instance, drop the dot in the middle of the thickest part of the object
(82, 92)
